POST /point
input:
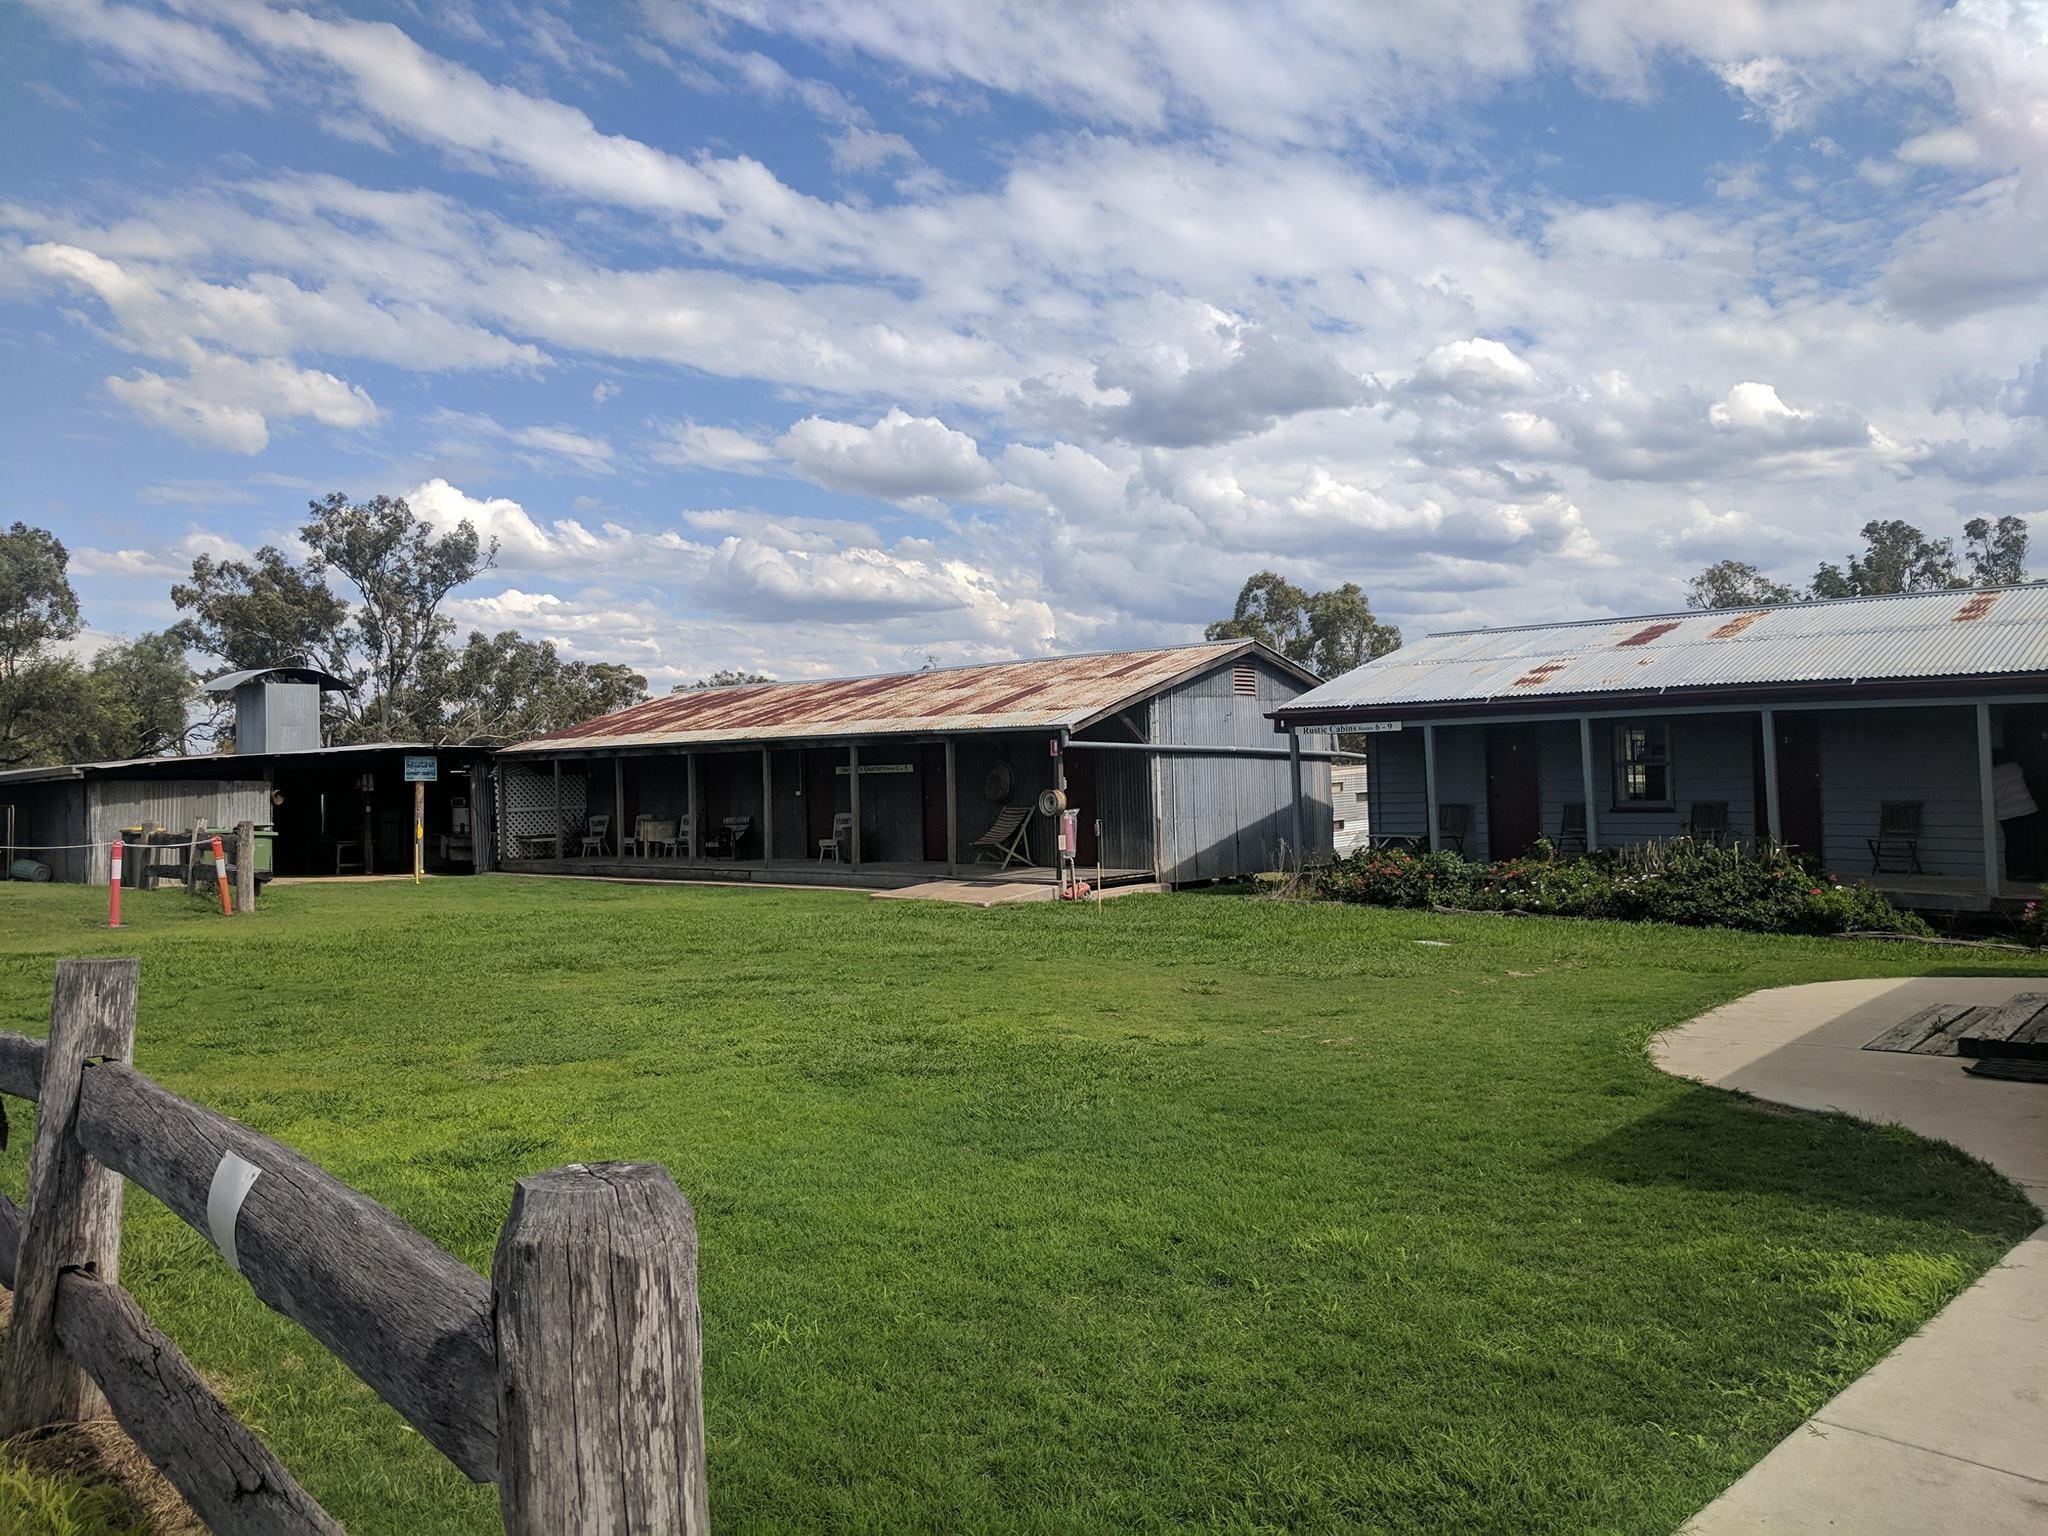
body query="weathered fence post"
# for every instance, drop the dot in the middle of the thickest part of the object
(600, 1409)
(245, 866)
(73, 1219)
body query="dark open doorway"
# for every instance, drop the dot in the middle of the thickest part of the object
(1799, 814)
(1514, 806)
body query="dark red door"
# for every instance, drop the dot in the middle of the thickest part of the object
(1514, 807)
(1799, 818)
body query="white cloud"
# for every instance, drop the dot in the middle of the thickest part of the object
(160, 314)
(859, 149)
(899, 457)
(1943, 146)
(856, 585)
(407, 88)
(128, 563)
(160, 47)
(539, 447)
(521, 541)
(229, 402)
(689, 444)
(1475, 368)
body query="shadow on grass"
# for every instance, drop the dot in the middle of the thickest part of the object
(1727, 1143)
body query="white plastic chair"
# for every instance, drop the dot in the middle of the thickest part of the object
(842, 834)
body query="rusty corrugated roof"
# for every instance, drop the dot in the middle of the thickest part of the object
(1001, 696)
(1910, 636)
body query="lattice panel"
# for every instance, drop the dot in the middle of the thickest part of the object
(526, 804)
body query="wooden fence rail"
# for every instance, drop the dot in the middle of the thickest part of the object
(590, 1317)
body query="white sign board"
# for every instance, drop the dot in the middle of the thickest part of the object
(1373, 725)
(867, 768)
(422, 770)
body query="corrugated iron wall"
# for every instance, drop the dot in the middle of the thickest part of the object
(1225, 817)
(1123, 787)
(111, 804)
(291, 718)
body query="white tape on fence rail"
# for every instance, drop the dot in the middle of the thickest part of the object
(231, 1180)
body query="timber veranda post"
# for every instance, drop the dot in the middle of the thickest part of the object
(245, 866)
(600, 1356)
(73, 1217)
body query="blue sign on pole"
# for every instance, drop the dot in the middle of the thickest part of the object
(422, 770)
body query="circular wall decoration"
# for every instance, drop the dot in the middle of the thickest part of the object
(997, 785)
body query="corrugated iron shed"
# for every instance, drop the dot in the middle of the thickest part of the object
(1061, 691)
(215, 764)
(1918, 636)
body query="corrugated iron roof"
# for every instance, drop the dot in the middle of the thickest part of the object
(222, 760)
(1918, 635)
(1001, 696)
(228, 682)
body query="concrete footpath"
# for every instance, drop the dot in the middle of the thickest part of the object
(1949, 1432)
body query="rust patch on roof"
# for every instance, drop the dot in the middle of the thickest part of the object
(1537, 676)
(1651, 632)
(1975, 608)
(1736, 625)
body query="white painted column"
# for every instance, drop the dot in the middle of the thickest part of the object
(1588, 777)
(1429, 784)
(1774, 822)
(1992, 862)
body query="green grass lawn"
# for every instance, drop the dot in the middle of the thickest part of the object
(1196, 1212)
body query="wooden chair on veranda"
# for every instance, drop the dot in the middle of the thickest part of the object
(1708, 822)
(1571, 827)
(1008, 838)
(594, 834)
(735, 831)
(1452, 822)
(1898, 838)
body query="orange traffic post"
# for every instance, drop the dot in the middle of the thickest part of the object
(114, 889)
(220, 875)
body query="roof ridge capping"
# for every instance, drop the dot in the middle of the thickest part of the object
(1702, 613)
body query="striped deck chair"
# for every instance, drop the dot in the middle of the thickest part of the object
(1008, 838)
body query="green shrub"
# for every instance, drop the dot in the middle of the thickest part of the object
(1699, 885)
(2034, 925)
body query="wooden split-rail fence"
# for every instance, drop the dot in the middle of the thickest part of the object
(571, 1378)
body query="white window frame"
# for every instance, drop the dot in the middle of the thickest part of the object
(1656, 736)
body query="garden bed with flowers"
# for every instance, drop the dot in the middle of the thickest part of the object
(1700, 885)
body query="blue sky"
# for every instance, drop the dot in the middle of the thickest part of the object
(824, 336)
